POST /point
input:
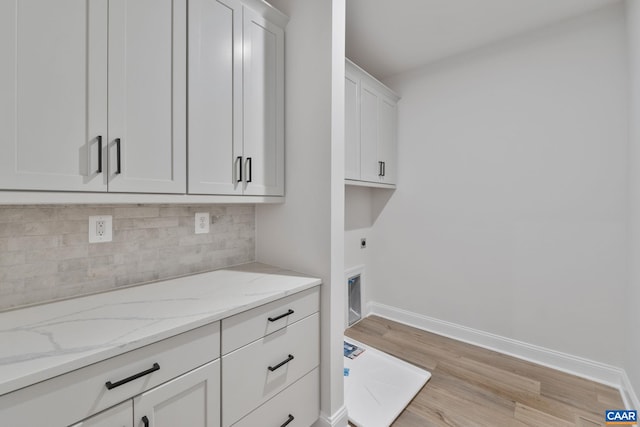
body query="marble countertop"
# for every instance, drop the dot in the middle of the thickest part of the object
(40, 342)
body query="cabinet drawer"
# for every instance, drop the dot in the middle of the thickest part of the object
(257, 372)
(300, 402)
(47, 403)
(251, 325)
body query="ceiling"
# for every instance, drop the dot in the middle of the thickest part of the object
(387, 37)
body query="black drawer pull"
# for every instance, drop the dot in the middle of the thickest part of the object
(288, 313)
(286, 423)
(99, 154)
(249, 169)
(111, 385)
(239, 161)
(118, 157)
(145, 421)
(281, 364)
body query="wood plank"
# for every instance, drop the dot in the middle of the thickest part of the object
(490, 376)
(533, 417)
(472, 393)
(583, 422)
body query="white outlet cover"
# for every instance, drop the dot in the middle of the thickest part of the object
(202, 222)
(107, 236)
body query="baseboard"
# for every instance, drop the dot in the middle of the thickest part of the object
(339, 419)
(594, 371)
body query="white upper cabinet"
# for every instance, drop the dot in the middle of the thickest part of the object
(370, 129)
(370, 168)
(236, 98)
(263, 106)
(147, 96)
(215, 81)
(53, 94)
(387, 147)
(352, 125)
(93, 95)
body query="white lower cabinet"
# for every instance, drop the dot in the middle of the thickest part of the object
(264, 378)
(254, 324)
(257, 372)
(190, 400)
(297, 406)
(85, 392)
(267, 380)
(118, 416)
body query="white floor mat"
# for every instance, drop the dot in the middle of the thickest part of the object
(379, 386)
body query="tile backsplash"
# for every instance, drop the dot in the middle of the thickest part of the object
(45, 252)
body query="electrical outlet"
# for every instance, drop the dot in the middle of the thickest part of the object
(100, 229)
(202, 223)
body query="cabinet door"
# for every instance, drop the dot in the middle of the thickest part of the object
(192, 399)
(53, 85)
(118, 416)
(263, 106)
(387, 144)
(215, 96)
(147, 96)
(369, 167)
(352, 126)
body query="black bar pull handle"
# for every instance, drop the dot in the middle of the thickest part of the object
(379, 168)
(249, 169)
(288, 313)
(145, 421)
(281, 364)
(99, 154)
(111, 385)
(384, 168)
(239, 161)
(118, 156)
(289, 419)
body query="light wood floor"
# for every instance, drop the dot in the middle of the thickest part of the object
(472, 386)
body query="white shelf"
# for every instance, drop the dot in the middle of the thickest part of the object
(355, 183)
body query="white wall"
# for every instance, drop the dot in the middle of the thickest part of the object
(358, 217)
(510, 212)
(354, 255)
(306, 233)
(633, 297)
(358, 221)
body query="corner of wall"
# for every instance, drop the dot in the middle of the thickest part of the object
(633, 291)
